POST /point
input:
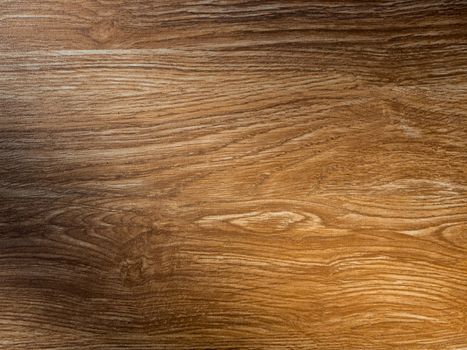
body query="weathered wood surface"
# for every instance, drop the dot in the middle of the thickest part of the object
(233, 174)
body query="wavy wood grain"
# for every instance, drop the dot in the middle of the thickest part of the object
(233, 175)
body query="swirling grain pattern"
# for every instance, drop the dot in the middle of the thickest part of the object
(233, 174)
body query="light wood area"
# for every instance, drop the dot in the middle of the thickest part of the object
(233, 175)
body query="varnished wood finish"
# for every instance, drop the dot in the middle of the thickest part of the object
(233, 174)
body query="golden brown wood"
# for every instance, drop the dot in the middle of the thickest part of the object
(233, 174)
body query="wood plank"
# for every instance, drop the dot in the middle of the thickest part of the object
(233, 175)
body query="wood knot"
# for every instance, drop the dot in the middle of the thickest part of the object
(104, 31)
(148, 257)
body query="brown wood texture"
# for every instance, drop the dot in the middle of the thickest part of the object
(233, 174)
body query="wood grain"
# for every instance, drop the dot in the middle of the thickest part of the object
(233, 174)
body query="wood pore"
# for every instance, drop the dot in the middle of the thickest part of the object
(233, 174)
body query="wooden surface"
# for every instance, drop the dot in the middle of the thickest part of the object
(233, 174)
